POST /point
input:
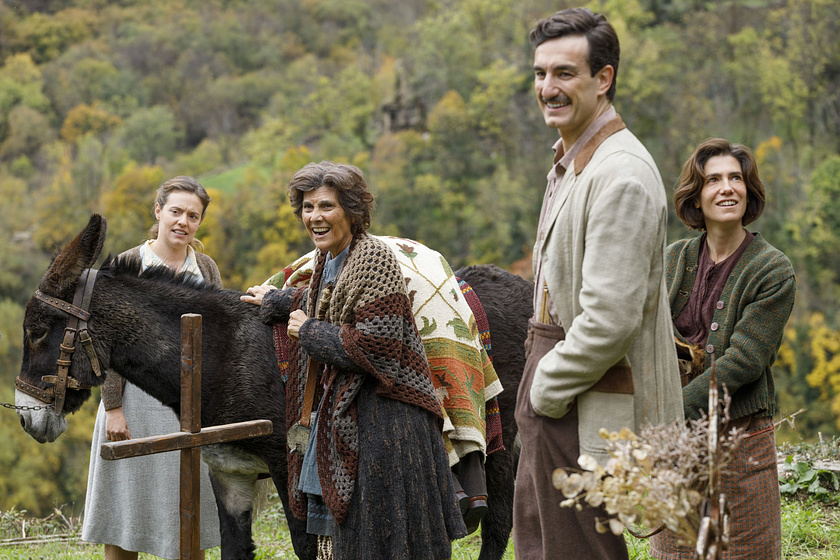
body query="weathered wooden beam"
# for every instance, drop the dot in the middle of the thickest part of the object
(190, 439)
(190, 491)
(183, 440)
(190, 373)
(190, 506)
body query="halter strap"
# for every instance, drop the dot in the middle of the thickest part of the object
(63, 305)
(76, 326)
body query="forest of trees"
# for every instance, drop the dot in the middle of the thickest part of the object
(101, 101)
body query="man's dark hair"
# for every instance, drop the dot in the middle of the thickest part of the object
(603, 42)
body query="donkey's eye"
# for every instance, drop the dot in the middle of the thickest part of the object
(36, 335)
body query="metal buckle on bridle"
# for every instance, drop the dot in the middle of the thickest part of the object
(76, 327)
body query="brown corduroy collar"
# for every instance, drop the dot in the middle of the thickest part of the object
(585, 154)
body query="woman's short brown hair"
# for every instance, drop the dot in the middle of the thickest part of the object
(347, 180)
(693, 177)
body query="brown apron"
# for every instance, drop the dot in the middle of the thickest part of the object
(541, 528)
(751, 485)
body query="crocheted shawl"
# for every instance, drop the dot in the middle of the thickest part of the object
(370, 303)
(454, 338)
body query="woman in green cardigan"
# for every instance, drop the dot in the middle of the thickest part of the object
(731, 294)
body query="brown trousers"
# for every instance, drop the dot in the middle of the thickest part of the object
(541, 528)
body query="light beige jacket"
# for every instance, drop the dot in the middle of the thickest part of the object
(603, 260)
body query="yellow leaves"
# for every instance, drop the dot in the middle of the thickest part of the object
(262, 145)
(490, 101)
(626, 16)
(768, 148)
(20, 68)
(294, 158)
(28, 131)
(21, 84)
(86, 119)
(206, 157)
(825, 352)
(449, 115)
(825, 349)
(787, 355)
(50, 34)
(11, 349)
(128, 205)
(282, 241)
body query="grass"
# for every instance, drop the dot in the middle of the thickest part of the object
(273, 542)
(271, 536)
(227, 181)
(810, 529)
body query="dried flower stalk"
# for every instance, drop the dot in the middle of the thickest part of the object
(660, 476)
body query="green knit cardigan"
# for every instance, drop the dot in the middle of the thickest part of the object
(747, 326)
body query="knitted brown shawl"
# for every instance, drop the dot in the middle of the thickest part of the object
(370, 303)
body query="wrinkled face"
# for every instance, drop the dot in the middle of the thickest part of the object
(179, 219)
(723, 199)
(327, 224)
(569, 97)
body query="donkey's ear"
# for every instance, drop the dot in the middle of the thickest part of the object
(93, 239)
(79, 254)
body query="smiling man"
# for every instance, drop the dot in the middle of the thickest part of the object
(601, 350)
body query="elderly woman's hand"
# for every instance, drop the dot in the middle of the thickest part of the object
(256, 294)
(296, 319)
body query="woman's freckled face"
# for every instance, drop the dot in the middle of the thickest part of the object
(179, 218)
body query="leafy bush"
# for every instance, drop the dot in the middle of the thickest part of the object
(803, 476)
(811, 470)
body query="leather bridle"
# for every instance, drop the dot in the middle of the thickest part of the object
(76, 329)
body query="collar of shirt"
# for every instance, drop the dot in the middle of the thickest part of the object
(564, 159)
(332, 268)
(149, 258)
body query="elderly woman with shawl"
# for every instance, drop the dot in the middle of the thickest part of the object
(372, 473)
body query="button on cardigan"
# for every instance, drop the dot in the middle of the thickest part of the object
(752, 311)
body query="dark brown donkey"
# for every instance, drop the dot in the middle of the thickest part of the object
(133, 320)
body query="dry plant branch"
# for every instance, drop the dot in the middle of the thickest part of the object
(659, 476)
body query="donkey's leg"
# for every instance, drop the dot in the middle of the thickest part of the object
(497, 524)
(235, 501)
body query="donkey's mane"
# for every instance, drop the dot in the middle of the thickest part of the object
(131, 266)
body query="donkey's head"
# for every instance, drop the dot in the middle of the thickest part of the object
(44, 333)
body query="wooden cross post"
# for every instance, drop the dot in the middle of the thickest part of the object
(190, 439)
